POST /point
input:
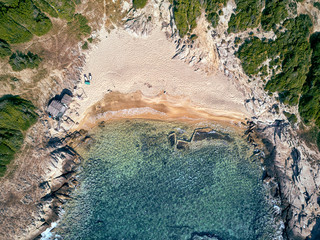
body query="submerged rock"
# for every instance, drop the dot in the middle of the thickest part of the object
(182, 145)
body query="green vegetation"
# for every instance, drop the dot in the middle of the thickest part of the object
(20, 19)
(46, 7)
(291, 117)
(85, 46)
(252, 54)
(64, 8)
(79, 26)
(212, 8)
(317, 5)
(29, 16)
(274, 12)
(139, 3)
(309, 106)
(5, 49)
(16, 116)
(185, 15)
(248, 15)
(20, 61)
(310, 135)
(293, 48)
(11, 31)
(290, 52)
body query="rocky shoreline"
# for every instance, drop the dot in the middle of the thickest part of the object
(291, 167)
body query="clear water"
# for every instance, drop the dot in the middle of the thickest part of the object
(134, 185)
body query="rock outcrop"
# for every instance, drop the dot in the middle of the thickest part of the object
(292, 168)
(31, 198)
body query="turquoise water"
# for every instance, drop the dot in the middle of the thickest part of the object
(134, 185)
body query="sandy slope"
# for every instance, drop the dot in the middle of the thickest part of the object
(126, 64)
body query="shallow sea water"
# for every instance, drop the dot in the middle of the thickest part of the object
(134, 185)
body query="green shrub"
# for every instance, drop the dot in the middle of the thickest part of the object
(248, 15)
(213, 10)
(46, 7)
(79, 26)
(16, 116)
(139, 3)
(291, 117)
(291, 50)
(11, 31)
(317, 5)
(309, 107)
(64, 8)
(85, 46)
(185, 15)
(20, 61)
(10, 3)
(318, 141)
(30, 17)
(275, 11)
(252, 54)
(213, 18)
(294, 50)
(5, 49)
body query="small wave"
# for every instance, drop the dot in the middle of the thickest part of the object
(47, 234)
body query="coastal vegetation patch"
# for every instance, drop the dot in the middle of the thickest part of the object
(5, 49)
(316, 5)
(20, 20)
(79, 26)
(19, 61)
(289, 58)
(309, 106)
(186, 13)
(16, 117)
(274, 12)
(290, 64)
(139, 3)
(247, 15)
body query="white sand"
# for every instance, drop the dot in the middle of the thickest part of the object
(124, 63)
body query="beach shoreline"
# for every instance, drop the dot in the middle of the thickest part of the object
(143, 80)
(116, 106)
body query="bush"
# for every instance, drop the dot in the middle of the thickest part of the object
(248, 15)
(185, 14)
(11, 31)
(309, 107)
(30, 17)
(291, 117)
(291, 50)
(20, 61)
(316, 5)
(16, 116)
(4, 49)
(64, 8)
(79, 26)
(139, 3)
(252, 54)
(294, 50)
(213, 10)
(274, 12)
(85, 46)
(46, 7)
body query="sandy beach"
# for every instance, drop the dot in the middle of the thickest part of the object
(144, 68)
